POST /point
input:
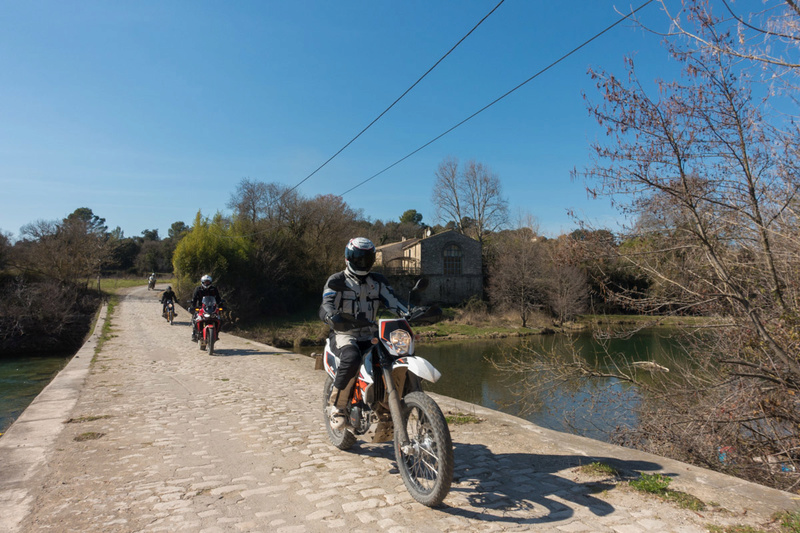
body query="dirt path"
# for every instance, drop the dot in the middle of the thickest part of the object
(167, 438)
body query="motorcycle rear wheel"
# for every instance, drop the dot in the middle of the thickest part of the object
(428, 471)
(341, 438)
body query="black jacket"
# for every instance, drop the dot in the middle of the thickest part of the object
(169, 295)
(199, 292)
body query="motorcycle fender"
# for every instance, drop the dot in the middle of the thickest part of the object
(330, 361)
(207, 332)
(365, 373)
(420, 367)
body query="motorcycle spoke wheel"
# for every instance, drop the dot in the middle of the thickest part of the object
(341, 438)
(427, 470)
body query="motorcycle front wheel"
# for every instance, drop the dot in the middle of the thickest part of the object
(210, 342)
(341, 438)
(170, 316)
(427, 470)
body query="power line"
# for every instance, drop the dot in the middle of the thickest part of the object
(398, 98)
(385, 110)
(487, 106)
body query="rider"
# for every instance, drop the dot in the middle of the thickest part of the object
(166, 296)
(367, 292)
(204, 289)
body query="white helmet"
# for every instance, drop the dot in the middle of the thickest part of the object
(205, 281)
(359, 256)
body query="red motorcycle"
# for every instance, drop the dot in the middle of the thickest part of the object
(207, 323)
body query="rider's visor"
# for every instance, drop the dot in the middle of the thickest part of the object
(362, 259)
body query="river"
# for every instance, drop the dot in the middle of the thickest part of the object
(22, 378)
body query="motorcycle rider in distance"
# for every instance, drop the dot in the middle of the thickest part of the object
(166, 296)
(367, 293)
(204, 289)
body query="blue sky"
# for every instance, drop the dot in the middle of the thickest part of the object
(149, 111)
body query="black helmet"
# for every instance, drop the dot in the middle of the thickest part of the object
(359, 256)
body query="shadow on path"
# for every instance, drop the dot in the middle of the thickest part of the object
(518, 488)
(244, 352)
(524, 488)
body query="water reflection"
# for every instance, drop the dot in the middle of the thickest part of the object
(21, 380)
(591, 407)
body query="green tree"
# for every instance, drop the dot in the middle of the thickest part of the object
(177, 230)
(150, 235)
(215, 247)
(411, 216)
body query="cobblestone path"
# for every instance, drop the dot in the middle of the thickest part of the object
(167, 438)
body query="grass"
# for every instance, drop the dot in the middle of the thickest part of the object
(105, 331)
(112, 285)
(735, 529)
(455, 330)
(599, 469)
(788, 522)
(651, 483)
(89, 435)
(82, 419)
(658, 485)
(456, 419)
(667, 321)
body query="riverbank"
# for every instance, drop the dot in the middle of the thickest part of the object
(304, 329)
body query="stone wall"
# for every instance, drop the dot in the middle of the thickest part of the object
(451, 289)
(444, 289)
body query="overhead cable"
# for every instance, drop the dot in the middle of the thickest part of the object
(398, 98)
(487, 106)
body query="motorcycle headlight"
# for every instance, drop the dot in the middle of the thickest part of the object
(401, 340)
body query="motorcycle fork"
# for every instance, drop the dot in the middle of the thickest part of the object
(394, 404)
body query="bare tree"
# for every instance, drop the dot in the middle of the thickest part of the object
(447, 193)
(473, 195)
(518, 275)
(770, 36)
(71, 250)
(711, 182)
(250, 200)
(566, 291)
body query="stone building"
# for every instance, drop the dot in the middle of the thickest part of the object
(450, 261)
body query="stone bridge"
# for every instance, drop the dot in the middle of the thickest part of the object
(151, 434)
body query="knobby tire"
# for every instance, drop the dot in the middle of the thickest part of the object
(428, 472)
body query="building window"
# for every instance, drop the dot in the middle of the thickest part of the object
(452, 260)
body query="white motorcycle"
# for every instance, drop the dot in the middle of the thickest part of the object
(387, 401)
